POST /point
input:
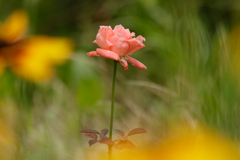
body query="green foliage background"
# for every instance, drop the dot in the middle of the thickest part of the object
(189, 79)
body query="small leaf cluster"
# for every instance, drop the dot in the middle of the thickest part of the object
(120, 143)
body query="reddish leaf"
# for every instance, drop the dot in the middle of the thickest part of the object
(91, 142)
(107, 141)
(89, 131)
(122, 138)
(102, 137)
(120, 132)
(104, 132)
(90, 135)
(137, 131)
(125, 144)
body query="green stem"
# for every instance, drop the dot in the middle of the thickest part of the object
(112, 109)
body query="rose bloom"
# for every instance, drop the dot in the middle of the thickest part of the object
(118, 45)
(32, 57)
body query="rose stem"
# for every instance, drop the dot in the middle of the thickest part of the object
(112, 109)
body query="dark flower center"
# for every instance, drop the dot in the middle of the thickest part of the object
(3, 44)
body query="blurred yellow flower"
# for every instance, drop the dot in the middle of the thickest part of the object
(14, 27)
(200, 144)
(35, 57)
(188, 144)
(32, 57)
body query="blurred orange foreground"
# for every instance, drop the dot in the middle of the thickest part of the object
(189, 144)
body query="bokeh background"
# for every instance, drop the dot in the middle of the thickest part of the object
(191, 52)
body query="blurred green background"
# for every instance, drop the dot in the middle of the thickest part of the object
(190, 78)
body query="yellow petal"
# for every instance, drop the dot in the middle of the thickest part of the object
(189, 144)
(198, 144)
(30, 68)
(53, 49)
(38, 55)
(14, 27)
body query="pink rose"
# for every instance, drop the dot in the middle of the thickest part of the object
(118, 45)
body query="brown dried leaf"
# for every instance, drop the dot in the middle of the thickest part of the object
(89, 131)
(137, 131)
(107, 141)
(90, 135)
(125, 144)
(104, 132)
(91, 142)
(120, 132)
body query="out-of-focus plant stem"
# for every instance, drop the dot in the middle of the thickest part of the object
(112, 110)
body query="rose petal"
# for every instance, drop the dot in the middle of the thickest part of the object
(135, 63)
(107, 54)
(128, 34)
(121, 48)
(101, 41)
(119, 29)
(117, 37)
(124, 63)
(135, 45)
(92, 54)
(141, 38)
(106, 31)
(132, 34)
(108, 42)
